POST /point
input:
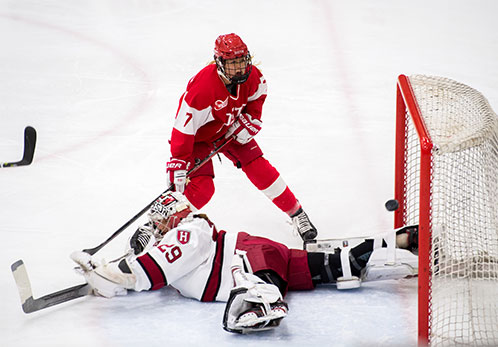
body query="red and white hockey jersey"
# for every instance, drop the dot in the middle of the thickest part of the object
(194, 258)
(207, 109)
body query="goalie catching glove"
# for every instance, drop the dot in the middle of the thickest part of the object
(106, 279)
(253, 305)
(244, 128)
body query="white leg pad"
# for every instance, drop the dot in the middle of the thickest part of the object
(381, 267)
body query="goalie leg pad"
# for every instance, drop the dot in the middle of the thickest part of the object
(245, 316)
(253, 305)
(379, 268)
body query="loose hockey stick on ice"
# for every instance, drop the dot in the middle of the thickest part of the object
(29, 304)
(29, 148)
(198, 165)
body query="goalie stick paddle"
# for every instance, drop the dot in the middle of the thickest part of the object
(29, 148)
(30, 304)
(198, 165)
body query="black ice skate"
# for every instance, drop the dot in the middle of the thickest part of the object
(303, 226)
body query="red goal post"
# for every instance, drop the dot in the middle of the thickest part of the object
(406, 105)
(446, 173)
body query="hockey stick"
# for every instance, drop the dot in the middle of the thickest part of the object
(29, 148)
(198, 165)
(29, 304)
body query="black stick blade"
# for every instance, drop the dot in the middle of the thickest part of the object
(29, 145)
(29, 149)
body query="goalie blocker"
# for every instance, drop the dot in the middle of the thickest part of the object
(186, 251)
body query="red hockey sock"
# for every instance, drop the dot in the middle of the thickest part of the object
(199, 191)
(267, 179)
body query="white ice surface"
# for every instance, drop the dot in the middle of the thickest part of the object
(100, 81)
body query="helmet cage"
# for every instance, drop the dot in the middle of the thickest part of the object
(237, 79)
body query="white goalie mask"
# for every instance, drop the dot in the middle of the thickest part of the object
(168, 211)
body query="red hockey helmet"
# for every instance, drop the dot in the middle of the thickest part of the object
(231, 46)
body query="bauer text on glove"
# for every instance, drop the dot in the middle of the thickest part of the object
(244, 128)
(176, 171)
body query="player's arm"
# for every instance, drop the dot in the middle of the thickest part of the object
(249, 121)
(257, 95)
(178, 253)
(192, 114)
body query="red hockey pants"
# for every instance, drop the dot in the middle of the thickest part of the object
(249, 158)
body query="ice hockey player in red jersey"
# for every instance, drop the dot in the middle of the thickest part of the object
(252, 274)
(225, 99)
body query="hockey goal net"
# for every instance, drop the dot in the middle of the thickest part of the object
(446, 181)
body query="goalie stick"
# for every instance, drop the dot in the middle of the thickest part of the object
(29, 149)
(30, 304)
(198, 165)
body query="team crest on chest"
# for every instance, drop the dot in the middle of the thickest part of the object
(219, 104)
(183, 236)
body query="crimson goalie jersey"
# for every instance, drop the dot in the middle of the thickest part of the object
(196, 259)
(207, 109)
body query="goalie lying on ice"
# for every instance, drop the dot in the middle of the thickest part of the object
(252, 274)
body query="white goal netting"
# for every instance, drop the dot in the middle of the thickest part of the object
(463, 297)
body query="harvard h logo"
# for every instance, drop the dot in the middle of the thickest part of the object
(183, 236)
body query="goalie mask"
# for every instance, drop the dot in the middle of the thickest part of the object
(168, 211)
(232, 58)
